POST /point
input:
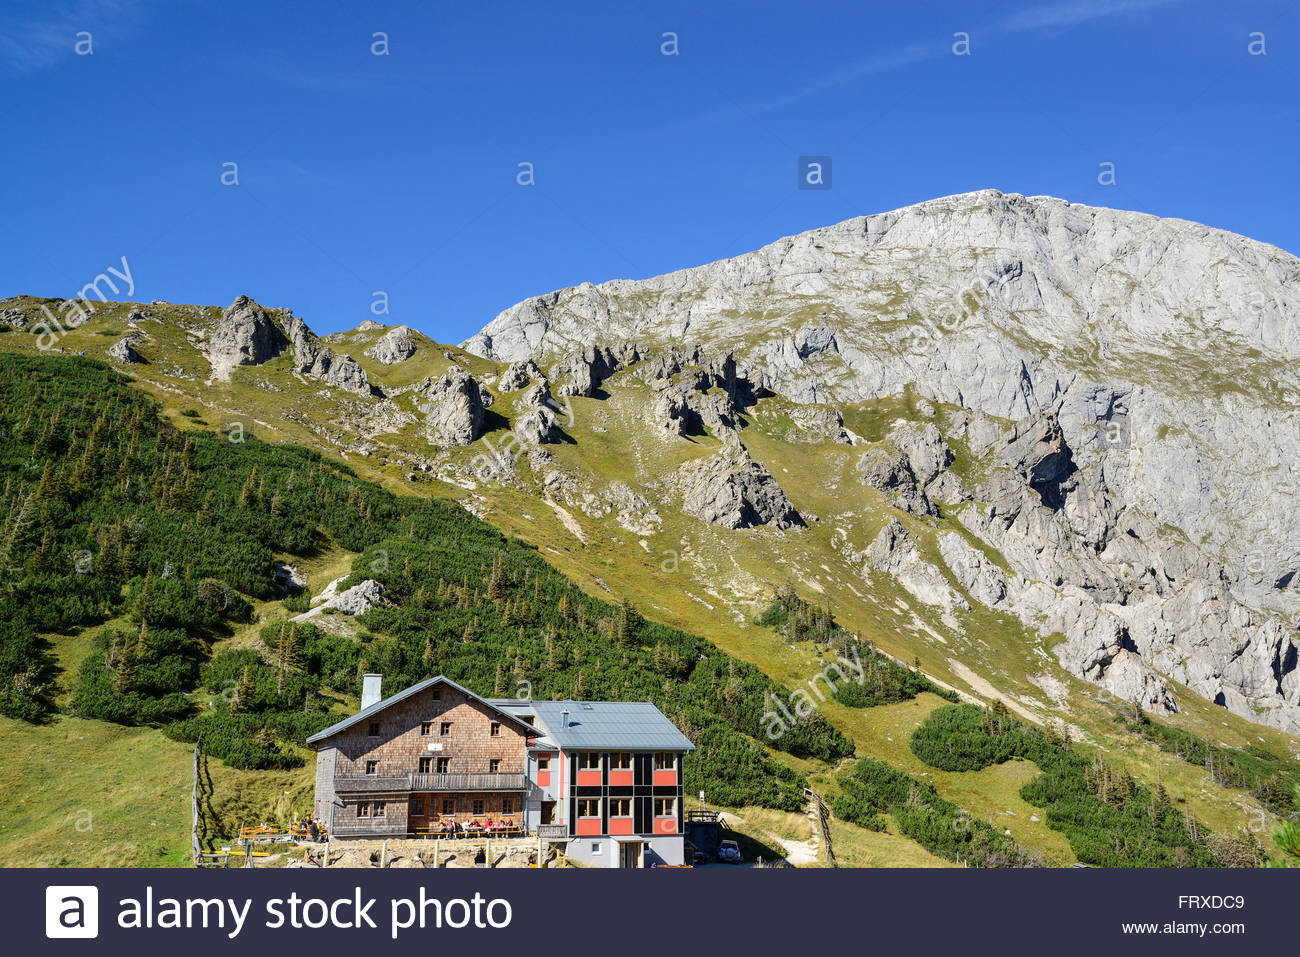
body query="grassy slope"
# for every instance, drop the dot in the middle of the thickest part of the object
(710, 580)
(111, 796)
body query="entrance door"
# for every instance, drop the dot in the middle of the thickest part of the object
(548, 812)
(631, 855)
(421, 809)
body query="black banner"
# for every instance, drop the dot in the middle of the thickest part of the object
(662, 910)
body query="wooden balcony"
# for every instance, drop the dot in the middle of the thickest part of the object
(469, 782)
(466, 781)
(372, 784)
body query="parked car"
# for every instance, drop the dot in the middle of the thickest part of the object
(729, 852)
(699, 858)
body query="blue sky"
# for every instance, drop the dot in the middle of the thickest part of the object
(360, 173)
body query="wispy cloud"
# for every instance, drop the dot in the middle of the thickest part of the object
(1049, 16)
(1072, 13)
(50, 35)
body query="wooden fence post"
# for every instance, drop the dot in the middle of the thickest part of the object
(196, 847)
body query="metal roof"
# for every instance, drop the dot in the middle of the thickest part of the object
(379, 706)
(629, 725)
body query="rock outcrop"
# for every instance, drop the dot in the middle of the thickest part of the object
(245, 336)
(894, 552)
(519, 374)
(124, 349)
(357, 600)
(341, 371)
(539, 423)
(454, 408)
(888, 470)
(671, 412)
(248, 334)
(582, 372)
(730, 489)
(396, 345)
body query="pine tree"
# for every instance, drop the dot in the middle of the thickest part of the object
(124, 668)
(243, 691)
(627, 620)
(496, 578)
(287, 658)
(143, 643)
(248, 495)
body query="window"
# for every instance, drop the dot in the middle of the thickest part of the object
(374, 729)
(526, 718)
(477, 805)
(379, 809)
(372, 767)
(620, 761)
(589, 807)
(417, 807)
(444, 765)
(588, 761)
(426, 765)
(448, 805)
(665, 761)
(444, 728)
(363, 809)
(665, 807)
(597, 847)
(426, 728)
(496, 729)
(436, 694)
(507, 805)
(620, 807)
(543, 762)
(494, 765)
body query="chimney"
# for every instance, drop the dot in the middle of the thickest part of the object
(370, 690)
(564, 718)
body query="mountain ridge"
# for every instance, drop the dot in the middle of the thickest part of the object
(1112, 529)
(1163, 348)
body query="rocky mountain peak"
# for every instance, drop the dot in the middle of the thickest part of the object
(1140, 372)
